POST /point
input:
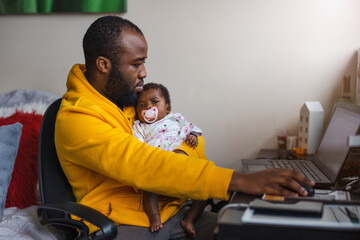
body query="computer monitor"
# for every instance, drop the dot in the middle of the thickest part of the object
(333, 148)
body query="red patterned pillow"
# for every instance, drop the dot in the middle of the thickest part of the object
(22, 189)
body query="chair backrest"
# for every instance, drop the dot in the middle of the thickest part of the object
(53, 184)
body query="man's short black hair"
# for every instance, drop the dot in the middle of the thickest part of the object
(162, 89)
(101, 38)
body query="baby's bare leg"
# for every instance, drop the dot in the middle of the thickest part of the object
(152, 209)
(196, 209)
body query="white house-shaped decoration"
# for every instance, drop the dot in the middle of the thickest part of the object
(310, 126)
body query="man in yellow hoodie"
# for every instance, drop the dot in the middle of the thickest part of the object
(108, 167)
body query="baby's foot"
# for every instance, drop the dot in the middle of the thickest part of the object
(155, 223)
(188, 226)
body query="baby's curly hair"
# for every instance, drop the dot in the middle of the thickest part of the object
(162, 89)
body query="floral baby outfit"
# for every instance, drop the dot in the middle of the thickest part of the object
(167, 133)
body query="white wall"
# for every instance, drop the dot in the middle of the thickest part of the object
(239, 69)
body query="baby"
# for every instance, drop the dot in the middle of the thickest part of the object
(158, 127)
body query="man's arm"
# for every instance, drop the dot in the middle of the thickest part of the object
(83, 138)
(284, 182)
(85, 141)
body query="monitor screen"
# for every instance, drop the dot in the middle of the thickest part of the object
(333, 147)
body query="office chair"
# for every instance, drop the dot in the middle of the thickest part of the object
(58, 202)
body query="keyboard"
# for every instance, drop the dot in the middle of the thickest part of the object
(300, 166)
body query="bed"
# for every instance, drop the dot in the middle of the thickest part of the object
(20, 119)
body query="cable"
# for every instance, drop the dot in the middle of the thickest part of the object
(348, 186)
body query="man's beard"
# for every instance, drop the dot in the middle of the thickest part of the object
(119, 91)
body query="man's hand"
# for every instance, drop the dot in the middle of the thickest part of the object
(284, 182)
(192, 141)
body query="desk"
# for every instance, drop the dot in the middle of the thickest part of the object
(230, 226)
(246, 198)
(281, 154)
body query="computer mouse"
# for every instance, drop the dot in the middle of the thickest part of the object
(309, 189)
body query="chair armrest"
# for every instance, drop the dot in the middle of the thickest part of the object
(215, 207)
(60, 215)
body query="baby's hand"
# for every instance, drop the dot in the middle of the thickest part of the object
(192, 141)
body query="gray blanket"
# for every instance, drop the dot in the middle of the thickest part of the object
(25, 100)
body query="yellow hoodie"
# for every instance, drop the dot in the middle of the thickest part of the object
(106, 165)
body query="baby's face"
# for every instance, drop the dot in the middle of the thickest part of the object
(152, 98)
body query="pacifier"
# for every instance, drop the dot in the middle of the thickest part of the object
(150, 115)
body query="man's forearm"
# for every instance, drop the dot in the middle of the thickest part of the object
(284, 182)
(236, 182)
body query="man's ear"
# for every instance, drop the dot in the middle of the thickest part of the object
(103, 64)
